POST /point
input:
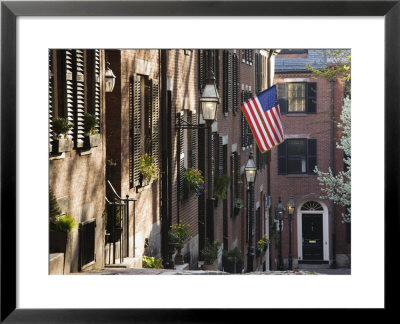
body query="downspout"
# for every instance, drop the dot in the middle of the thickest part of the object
(165, 199)
(332, 85)
(269, 84)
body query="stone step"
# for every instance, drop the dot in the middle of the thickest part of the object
(128, 263)
(56, 263)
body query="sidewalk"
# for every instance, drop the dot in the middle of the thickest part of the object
(144, 271)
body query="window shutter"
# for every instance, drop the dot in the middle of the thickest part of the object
(311, 97)
(229, 85)
(216, 66)
(282, 158)
(257, 72)
(282, 97)
(202, 68)
(131, 128)
(69, 88)
(220, 156)
(79, 98)
(236, 83)
(155, 118)
(194, 141)
(237, 175)
(97, 88)
(225, 82)
(51, 93)
(243, 124)
(311, 155)
(181, 161)
(136, 129)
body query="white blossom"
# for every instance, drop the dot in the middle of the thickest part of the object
(338, 187)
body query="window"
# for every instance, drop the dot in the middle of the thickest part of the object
(297, 156)
(208, 60)
(297, 97)
(74, 89)
(143, 123)
(235, 182)
(247, 135)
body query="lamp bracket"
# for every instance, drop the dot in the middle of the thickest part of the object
(184, 124)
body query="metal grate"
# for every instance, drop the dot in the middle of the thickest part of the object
(87, 242)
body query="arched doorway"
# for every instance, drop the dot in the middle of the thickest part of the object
(313, 232)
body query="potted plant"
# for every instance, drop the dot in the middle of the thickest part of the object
(62, 141)
(194, 181)
(152, 262)
(238, 203)
(210, 255)
(59, 230)
(92, 136)
(148, 169)
(221, 186)
(233, 261)
(179, 233)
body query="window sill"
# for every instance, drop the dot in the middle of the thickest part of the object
(303, 175)
(57, 156)
(293, 114)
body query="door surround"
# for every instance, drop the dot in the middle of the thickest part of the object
(325, 226)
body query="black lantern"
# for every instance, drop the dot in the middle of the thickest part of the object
(209, 100)
(110, 79)
(250, 169)
(279, 211)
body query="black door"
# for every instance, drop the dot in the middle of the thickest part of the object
(312, 237)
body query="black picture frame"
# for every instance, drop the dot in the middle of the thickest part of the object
(10, 10)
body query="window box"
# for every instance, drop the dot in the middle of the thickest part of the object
(61, 145)
(92, 141)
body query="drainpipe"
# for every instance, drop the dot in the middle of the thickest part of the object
(165, 193)
(332, 85)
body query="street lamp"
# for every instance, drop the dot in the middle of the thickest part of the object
(290, 208)
(110, 78)
(209, 102)
(279, 210)
(250, 170)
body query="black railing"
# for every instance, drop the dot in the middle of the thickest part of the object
(87, 242)
(118, 224)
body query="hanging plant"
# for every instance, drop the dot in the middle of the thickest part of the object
(221, 186)
(263, 243)
(238, 204)
(148, 169)
(194, 180)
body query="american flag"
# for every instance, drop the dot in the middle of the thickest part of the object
(263, 115)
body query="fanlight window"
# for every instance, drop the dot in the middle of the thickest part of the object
(311, 205)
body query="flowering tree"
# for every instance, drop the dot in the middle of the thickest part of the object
(338, 187)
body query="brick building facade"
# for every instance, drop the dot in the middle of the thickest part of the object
(310, 109)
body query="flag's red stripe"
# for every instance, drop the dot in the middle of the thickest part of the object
(274, 112)
(277, 125)
(272, 128)
(260, 146)
(263, 132)
(260, 111)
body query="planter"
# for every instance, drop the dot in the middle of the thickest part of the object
(179, 258)
(210, 267)
(92, 141)
(58, 242)
(62, 145)
(233, 267)
(171, 251)
(144, 181)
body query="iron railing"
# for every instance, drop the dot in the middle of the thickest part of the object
(119, 229)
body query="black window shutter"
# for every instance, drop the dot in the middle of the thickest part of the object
(236, 83)
(181, 161)
(282, 158)
(51, 91)
(155, 119)
(220, 156)
(96, 95)
(311, 155)
(229, 83)
(237, 175)
(194, 141)
(216, 66)
(282, 97)
(136, 129)
(69, 87)
(311, 97)
(79, 100)
(225, 81)
(202, 68)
